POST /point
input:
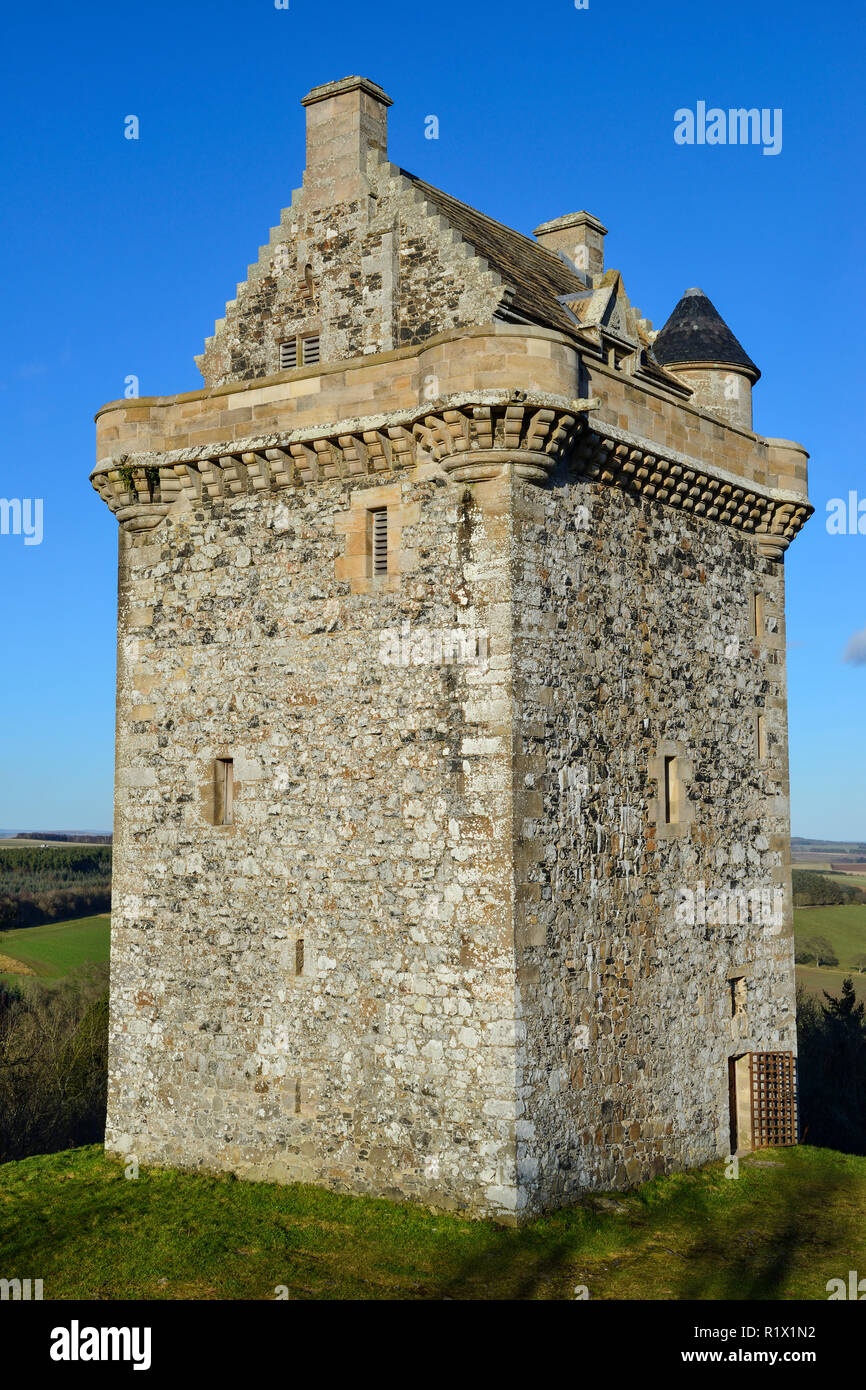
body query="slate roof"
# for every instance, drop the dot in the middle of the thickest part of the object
(536, 274)
(696, 332)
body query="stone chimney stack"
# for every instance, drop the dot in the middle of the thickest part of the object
(346, 121)
(580, 237)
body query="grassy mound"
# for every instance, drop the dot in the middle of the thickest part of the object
(791, 1221)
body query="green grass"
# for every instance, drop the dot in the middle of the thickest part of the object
(56, 948)
(792, 1220)
(844, 926)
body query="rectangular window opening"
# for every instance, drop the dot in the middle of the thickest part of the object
(757, 614)
(299, 956)
(379, 540)
(310, 350)
(288, 355)
(738, 995)
(223, 791)
(671, 791)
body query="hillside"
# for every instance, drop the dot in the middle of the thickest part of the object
(843, 926)
(54, 949)
(49, 882)
(825, 980)
(792, 1220)
(839, 855)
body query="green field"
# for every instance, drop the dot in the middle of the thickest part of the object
(56, 948)
(843, 925)
(792, 1220)
(852, 880)
(816, 980)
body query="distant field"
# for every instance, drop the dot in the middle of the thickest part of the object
(852, 880)
(52, 950)
(815, 980)
(855, 849)
(844, 926)
(15, 840)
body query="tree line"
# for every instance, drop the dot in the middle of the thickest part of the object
(65, 836)
(832, 1070)
(814, 890)
(52, 884)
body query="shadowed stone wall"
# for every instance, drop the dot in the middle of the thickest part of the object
(633, 634)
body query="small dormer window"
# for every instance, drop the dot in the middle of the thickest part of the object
(288, 355)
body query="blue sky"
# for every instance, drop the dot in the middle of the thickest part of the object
(119, 255)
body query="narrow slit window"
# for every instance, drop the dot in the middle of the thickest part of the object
(671, 791)
(738, 996)
(299, 956)
(757, 614)
(223, 791)
(310, 350)
(309, 285)
(761, 736)
(288, 355)
(379, 540)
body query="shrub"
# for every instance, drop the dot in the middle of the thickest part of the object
(53, 1064)
(820, 949)
(832, 1070)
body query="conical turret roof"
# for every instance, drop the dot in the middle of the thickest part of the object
(696, 332)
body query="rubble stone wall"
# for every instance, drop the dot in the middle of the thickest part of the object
(372, 823)
(633, 640)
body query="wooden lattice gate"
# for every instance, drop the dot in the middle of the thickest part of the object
(773, 1091)
(763, 1096)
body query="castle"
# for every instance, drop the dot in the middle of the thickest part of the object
(451, 706)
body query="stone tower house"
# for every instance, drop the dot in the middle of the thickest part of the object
(452, 789)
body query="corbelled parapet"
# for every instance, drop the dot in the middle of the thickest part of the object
(773, 516)
(471, 437)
